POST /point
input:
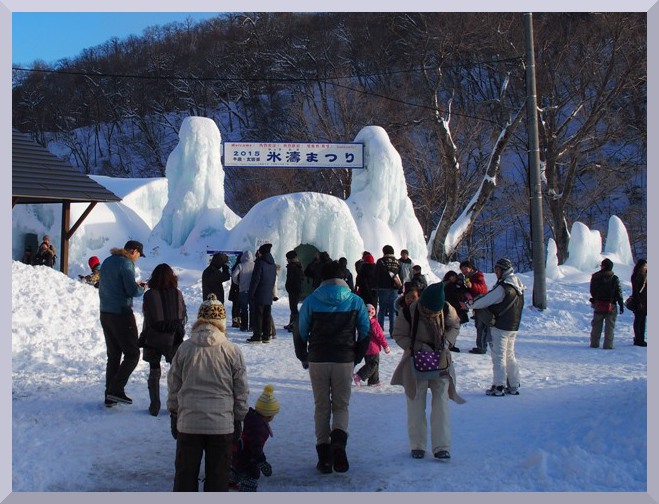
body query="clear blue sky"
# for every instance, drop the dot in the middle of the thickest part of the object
(50, 36)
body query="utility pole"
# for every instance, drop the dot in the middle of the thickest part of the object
(537, 220)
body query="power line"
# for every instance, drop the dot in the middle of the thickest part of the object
(325, 80)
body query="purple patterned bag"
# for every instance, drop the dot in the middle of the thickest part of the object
(426, 361)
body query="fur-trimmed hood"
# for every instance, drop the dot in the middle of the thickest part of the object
(208, 332)
(120, 251)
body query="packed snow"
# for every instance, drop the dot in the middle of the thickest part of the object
(578, 425)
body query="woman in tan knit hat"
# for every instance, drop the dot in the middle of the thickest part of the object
(207, 400)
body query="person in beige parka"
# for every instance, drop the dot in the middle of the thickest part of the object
(207, 401)
(437, 325)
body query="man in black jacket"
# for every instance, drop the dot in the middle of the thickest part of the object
(294, 277)
(387, 272)
(261, 294)
(605, 293)
(214, 276)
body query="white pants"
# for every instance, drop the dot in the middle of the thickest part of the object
(504, 363)
(440, 421)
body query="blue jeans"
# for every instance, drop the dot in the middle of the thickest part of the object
(386, 299)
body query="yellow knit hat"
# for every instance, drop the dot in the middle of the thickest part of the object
(267, 405)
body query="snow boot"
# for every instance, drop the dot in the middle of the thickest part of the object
(339, 440)
(495, 391)
(324, 464)
(153, 383)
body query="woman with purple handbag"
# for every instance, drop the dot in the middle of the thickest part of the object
(425, 336)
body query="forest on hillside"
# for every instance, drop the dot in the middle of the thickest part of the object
(449, 88)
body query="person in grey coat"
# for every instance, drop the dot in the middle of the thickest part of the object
(242, 275)
(207, 401)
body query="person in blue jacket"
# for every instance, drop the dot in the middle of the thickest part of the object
(116, 292)
(331, 338)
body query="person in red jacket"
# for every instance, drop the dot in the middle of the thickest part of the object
(474, 283)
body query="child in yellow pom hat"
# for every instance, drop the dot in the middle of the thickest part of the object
(249, 461)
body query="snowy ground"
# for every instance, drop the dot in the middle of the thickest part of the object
(578, 425)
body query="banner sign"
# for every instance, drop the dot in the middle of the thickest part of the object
(293, 155)
(232, 255)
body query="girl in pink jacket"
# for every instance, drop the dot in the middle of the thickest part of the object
(370, 370)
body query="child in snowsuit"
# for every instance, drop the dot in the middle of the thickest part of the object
(248, 458)
(93, 279)
(370, 370)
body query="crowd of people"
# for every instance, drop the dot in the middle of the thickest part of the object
(338, 333)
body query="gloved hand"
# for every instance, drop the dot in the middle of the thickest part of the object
(387, 350)
(172, 422)
(237, 430)
(305, 365)
(265, 468)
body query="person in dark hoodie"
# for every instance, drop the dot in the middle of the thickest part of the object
(294, 277)
(605, 292)
(347, 275)
(214, 276)
(366, 282)
(314, 270)
(332, 338)
(261, 289)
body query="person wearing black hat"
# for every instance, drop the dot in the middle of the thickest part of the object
(294, 278)
(261, 288)
(432, 326)
(214, 276)
(116, 292)
(605, 292)
(505, 300)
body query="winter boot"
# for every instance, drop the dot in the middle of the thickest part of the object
(339, 440)
(324, 464)
(153, 382)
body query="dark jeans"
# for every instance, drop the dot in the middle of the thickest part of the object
(639, 327)
(120, 331)
(482, 336)
(235, 308)
(262, 321)
(293, 300)
(246, 315)
(371, 369)
(386, 299)
(189, 450)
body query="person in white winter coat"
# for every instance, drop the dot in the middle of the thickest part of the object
(506, 301)
(207, 401)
